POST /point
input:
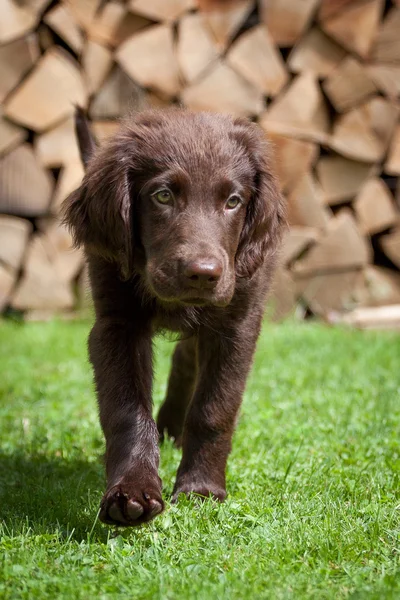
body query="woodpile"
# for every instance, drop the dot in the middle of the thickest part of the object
(321, 77)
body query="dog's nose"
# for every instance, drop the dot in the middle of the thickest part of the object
(202, 273)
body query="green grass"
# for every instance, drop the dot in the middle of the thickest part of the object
(313, 509)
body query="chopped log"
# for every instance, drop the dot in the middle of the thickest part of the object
(16, 21)
(67, 261)
(374, 207)
(317, 53)
(113, 24)
(333, 291)
(10, 135)
(355, 25)
(381, 286)
(340, 178)
(14, 234)
(255, 57)
(364, 132)
(349, 85)
(103, 130)
(380, 317)
(69, 180)
(149, 58)
(386, 48)
(61, 20)
(46, 37)
(223, 90)
(342, 248)
(293, 158)
(41, 285)
(118, 96)
(196, 48)
(330, 8)
(283, 299)
(49, 93)
(386, 78)
(296, 241)
(15, 61)
(7, 282)
(159, 10)
(305, 205)
(84, 12)
(225, 18)
(300, 111)
(58, 146)
(392, 165)
(96, 63)
(25, 186)
(287, 19)
(390, 244)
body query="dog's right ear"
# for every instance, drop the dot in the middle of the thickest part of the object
(86, 141)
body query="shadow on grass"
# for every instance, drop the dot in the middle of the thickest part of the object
(51, 495)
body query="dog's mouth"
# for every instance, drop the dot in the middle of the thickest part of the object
(195, 301)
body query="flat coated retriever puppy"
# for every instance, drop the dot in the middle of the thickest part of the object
(180, 217)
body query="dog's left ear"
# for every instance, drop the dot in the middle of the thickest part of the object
(266, 211)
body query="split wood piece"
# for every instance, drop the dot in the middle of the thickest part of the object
(380, 317)
(293, 158)
(255, 57)
(392, 165)
(58, 146)
(149, 58)
(196, 48)
(340, 178)
(296, 241)
(7, 282)
(283, 299)
(96, 63)
(305, 205)
(10, 135)
(14, 234)
(41, 285)
(355, 25)
(386, 78)
(381, 286)
(287, 19)
(49, 93)
(330, 8)
(349, 85)
(61, 20)
(46, 37)
(315, 52)
(224, 19)
(300, 111)
(83, 12)
(16, 21)
(118, 96)
(160, 10)
(374, 207)
(391, 246)
(69, 180)
(15, 61)
(25, 186)
(103, 130)
(114, 24)
(386, 48)
(364, 132)
(67, 261)
(341, 248)
(223, 90)
(334, 291)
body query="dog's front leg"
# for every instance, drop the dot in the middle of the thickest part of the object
(121, 354)
(224, 362)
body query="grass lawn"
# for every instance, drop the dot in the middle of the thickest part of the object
(314, 495)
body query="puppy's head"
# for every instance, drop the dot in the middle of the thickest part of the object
(188, 200)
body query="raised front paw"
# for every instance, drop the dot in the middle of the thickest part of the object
(130, 503)
(202, 489)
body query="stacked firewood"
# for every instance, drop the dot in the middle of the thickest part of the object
(322, 78)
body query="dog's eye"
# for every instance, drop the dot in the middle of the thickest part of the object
(233, 202)
(163, 196)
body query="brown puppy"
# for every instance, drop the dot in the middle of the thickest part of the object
(180, 218)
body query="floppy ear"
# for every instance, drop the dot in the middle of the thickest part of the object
(98, 213)
(266, 211)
